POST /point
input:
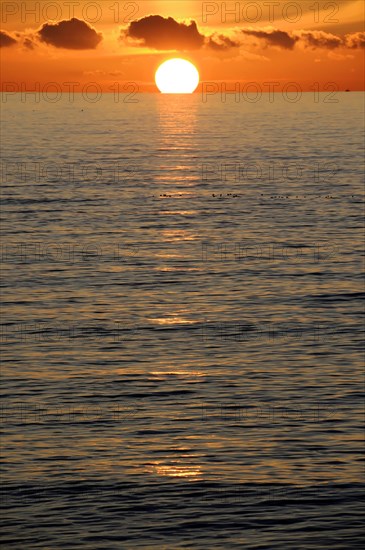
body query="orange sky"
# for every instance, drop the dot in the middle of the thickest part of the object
(263, 41)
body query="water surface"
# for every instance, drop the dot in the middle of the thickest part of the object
(181, 331)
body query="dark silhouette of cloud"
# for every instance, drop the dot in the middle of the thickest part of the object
(6, 40)
(163, 33)
(72, 34)
(273, 37)
(355, 40)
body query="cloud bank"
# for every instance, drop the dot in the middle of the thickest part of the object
(160, 33)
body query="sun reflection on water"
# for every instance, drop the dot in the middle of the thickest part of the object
(176, 469)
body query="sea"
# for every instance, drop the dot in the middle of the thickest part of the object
(182, 328)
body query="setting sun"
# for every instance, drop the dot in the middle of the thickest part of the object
(177, 76)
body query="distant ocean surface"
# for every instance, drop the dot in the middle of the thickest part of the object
(181, 328)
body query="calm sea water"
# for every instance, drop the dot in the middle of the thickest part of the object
(181, 338)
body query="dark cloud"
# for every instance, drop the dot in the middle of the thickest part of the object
(273, 37)
(6, 40)
(221, 43)
(163, 33)
(356, 40)
(70, 34)
(319, 39)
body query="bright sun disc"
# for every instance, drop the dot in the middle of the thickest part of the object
(177, 76)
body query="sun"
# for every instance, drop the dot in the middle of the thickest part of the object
(177, 76)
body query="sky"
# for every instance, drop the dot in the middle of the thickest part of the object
(268, 42)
